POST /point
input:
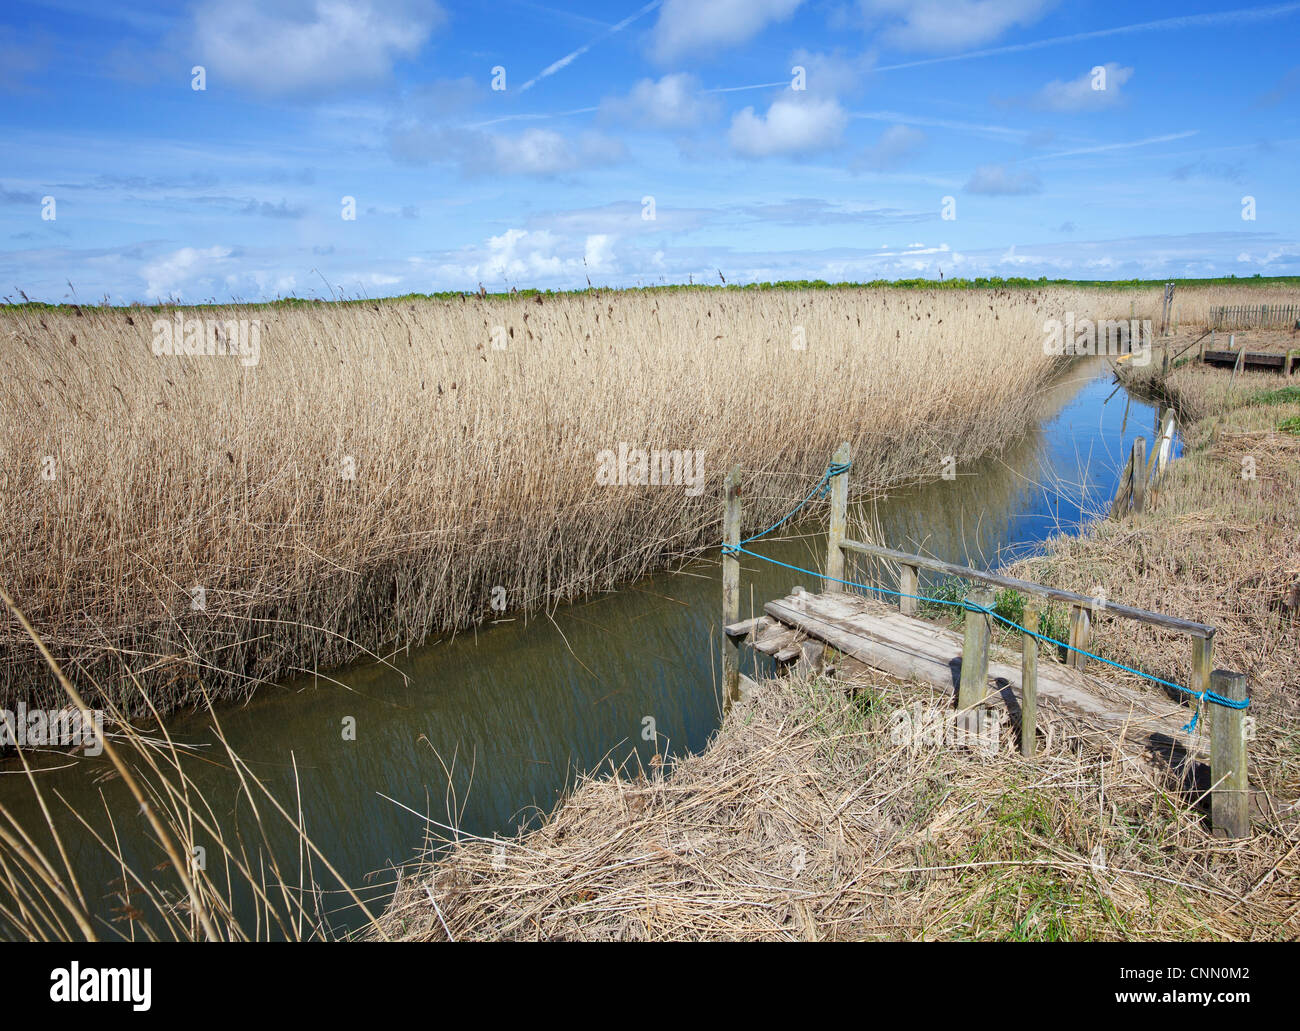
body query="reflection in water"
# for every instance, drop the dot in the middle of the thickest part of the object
(517, 709)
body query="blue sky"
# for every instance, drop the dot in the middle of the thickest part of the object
(984, 111)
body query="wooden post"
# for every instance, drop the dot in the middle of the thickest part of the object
(909, 582)
(975, 651)
(731, 589)
(1202, 666)
(1029, 683)
(1160, 452)
(1140, 474)
(1080, 632)
(1124, 491)
(1230, 798)
(839, 522)
(1166, 439)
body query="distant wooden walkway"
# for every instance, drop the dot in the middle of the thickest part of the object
(1286, 364)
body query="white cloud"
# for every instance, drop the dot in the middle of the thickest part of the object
(1001, 181)
(1082, 94)
(186, 268)
(530, 257)
(691, 26)
(938, 25)
(598, 255)
(673, 102)
(789, 127)
(285, 48)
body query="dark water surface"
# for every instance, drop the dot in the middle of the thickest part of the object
(518, 708)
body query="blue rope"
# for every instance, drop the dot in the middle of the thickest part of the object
(823, 485)
(835, 469)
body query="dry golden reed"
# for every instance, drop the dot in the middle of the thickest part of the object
(384, 466)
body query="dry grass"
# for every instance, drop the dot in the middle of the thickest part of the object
(474, 467)
(805, 819)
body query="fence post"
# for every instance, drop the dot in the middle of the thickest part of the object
(1230, 797)
(731, 588)
(1161, 450)
(1080, 631)
(975, 651)
(1140, 474)
(1202, 666)
(909, 582)
(1029, 683)
(1123, 492)
(839, 522)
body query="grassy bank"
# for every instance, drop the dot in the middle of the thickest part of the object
(805, 818)
(383, 468)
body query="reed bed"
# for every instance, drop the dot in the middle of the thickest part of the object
(807, 817)
(388, 470)
(384, 467)
(1193, 304)
(193, 875)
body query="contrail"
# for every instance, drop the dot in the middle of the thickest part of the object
(540, 116)
(1167, 137)
(997, 131)
(738, 89)
(1248, 14)
(568, 59)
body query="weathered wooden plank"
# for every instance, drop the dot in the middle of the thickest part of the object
(788, 653)
(747, 626)
(775, 639)
(1032, 589)
(910, 649)
(1269, 359)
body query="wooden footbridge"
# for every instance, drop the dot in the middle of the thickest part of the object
(802, 630)
(1239, 358)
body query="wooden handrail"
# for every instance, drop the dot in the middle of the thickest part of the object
(1230, 811)
(1035, 590)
